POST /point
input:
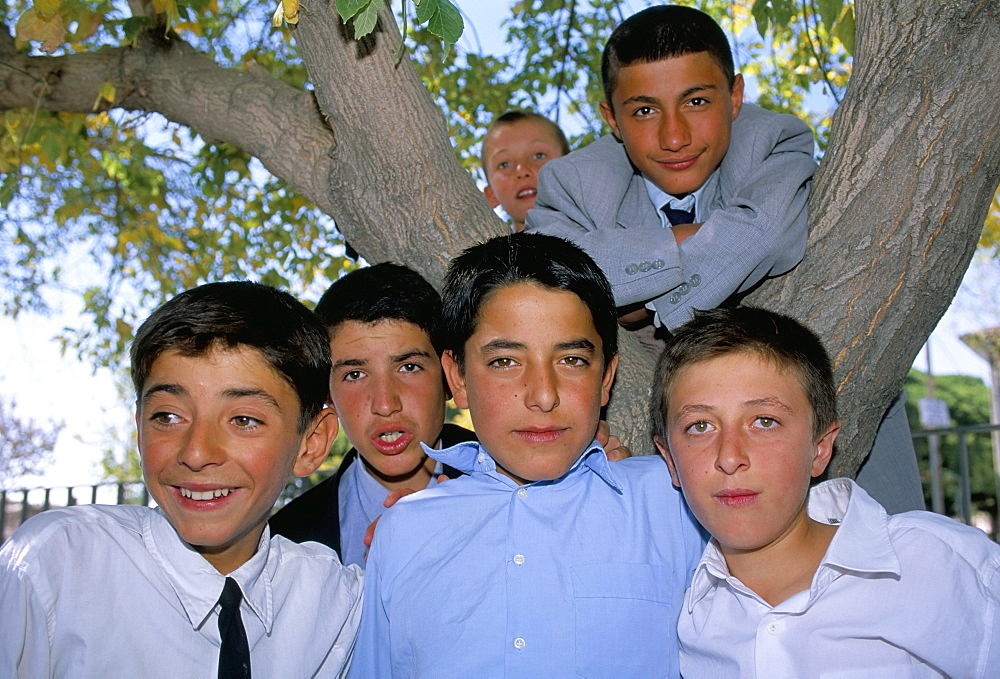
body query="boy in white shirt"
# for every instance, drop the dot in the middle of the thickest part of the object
(798, 582)
(231, 384)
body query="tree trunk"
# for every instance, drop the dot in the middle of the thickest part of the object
(899, 202)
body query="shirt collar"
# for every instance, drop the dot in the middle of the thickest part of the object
(860, 545)
(692, 202)
(198, 584)
(471, 458)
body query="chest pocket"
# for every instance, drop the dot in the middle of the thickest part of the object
(626, 620)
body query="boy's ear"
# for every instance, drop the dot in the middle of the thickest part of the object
(608, 114)
(608, 379)
(736, 93)
(491, 196)
(456, 380)
(315, 445)
(824, 449)
(665, 453)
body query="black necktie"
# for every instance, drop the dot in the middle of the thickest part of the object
(234, 654)
(676, 217)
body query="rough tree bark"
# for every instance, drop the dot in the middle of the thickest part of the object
(896, 209)
(900, 200)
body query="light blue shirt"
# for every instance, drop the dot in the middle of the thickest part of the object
(480, 577)
(361, 499)
(692, 202)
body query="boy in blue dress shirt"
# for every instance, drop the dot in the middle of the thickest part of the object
(230, 382)
(546, 560)
(799, 582)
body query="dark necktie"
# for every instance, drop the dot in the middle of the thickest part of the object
(676, 217)
(234, 654)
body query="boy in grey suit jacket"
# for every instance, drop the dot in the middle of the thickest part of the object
(695, 197)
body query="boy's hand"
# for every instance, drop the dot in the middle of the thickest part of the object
(682, 231)
(632, 319)
(613, 447)
(392, 498)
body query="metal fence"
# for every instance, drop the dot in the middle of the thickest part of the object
(17, 506)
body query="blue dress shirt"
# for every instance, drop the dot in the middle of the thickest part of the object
(480, 577)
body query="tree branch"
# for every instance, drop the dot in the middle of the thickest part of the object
(249, 109)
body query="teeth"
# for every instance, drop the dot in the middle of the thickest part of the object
(204, 494)
(526, 193)
(391, 436)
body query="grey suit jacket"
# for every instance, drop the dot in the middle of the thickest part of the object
(756, 226)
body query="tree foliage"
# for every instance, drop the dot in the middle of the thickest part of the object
(968, 402)
(360, 140)
(25, 447)
(109, 197)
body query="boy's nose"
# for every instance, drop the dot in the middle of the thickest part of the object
(385, 399)
(541, 390)
(199, 449)
(674, 132)
(731, 457)
(524, 169)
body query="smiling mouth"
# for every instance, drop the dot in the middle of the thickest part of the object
(202, 495)
(527, 193)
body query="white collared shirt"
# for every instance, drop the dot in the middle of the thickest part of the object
(908, 595)
(99, 591)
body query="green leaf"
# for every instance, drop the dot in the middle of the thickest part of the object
(761, 11)
(829, 11)
(447, 22)
(365, 21)
(348, 8)
(784, 10)
(425, 10)
(845, 30)
(135, 25)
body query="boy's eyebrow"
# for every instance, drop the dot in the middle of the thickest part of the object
(581, 343)
(766, 402)
(647, 99)
(234, 393)
(505, 345)
(252, 392)
(500, 345)
(172, 389)
(350, 363)
(409, 354)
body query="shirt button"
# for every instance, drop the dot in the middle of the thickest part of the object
(632, 269)
(482, 457)
(772, 629)
(695, 281)
(519, 643)
(522, 493)
(519, 559)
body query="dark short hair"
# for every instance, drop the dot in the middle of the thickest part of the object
(664, 32)
(511, 117)
(507, 260)
(747, 330)
(383, 292)
(288, 335)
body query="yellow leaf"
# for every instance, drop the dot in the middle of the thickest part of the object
(287, 9)
(47, 9)
(48, 32)
(105, 93)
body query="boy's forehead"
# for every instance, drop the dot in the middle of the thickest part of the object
(526, 130)
(249, 364)
(702, 62)
(763, 365)
(556, 299)
(354, 331)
